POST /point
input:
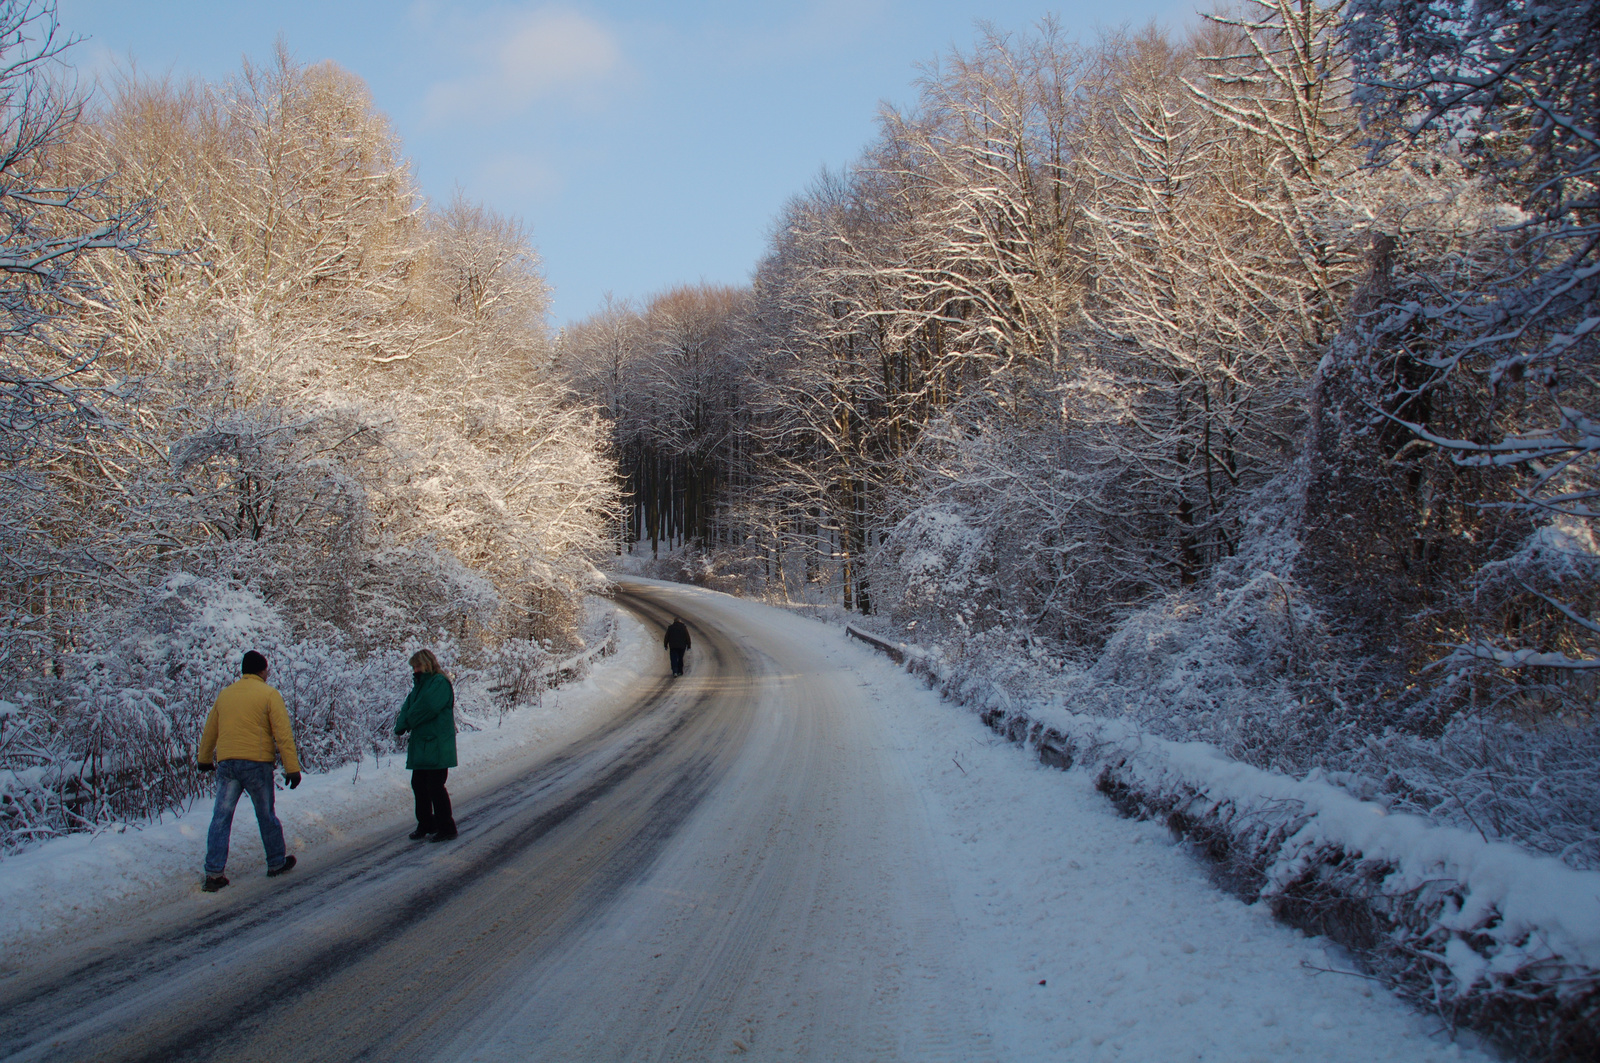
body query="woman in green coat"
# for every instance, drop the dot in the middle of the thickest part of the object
(429, 714)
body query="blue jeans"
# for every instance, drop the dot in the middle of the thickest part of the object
(235, 777)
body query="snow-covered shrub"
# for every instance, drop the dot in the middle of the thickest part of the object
(1247, 662)
(731, 570)
(937, 569)
(1531, 648)
(1237, 660)
(113, 736)
(1010, 525)
(1227, 661)
(1531, 784)
(519, 672)
(415, 590)
(342, 705)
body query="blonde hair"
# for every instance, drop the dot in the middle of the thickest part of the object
(425, 661)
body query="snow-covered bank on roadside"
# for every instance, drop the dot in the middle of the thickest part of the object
(79, 884)
(1485, 933)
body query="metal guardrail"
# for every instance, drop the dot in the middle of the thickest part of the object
(896, 651)
(573, 665)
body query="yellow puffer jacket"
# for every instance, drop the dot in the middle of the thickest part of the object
(248, 722)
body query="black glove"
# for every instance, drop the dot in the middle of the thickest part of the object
(211, 766)
(292, 778)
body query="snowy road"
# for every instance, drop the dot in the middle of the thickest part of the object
(792, 852)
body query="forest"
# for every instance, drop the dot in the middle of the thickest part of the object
(255, 391)
(1241, 383)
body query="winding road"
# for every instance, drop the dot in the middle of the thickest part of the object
(729, 865)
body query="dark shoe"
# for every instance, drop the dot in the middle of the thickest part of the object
(284, 868)
(213, 883)
(418, 834)
(443, 836)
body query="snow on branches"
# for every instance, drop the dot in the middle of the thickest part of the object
(1507, 87)
(244, 363)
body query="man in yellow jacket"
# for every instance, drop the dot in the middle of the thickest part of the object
(247, 729)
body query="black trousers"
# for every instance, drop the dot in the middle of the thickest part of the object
(677, 661)
(433, 801)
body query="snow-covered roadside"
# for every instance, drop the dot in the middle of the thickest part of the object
(1497, 938)
(76, 886)
(1099, 937)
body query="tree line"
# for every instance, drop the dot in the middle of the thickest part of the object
(1313, 282)
(255, 389)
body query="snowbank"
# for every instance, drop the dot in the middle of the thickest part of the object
(1486, 933)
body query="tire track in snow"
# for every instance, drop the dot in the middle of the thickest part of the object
(799, 914)
(326, 966)
(734, 866)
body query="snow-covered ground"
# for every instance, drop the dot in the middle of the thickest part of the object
(1140, 956)
(964, 875)
(1099, 938)
(1059, 928)
(79, 885)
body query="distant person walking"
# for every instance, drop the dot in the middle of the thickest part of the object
(247, 730)
(677, 643)
(429, 714)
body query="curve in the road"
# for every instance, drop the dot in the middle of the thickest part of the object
(380, 955)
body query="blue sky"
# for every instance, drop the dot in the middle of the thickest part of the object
(644, 144)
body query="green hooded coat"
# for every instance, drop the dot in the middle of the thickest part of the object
(429, 714)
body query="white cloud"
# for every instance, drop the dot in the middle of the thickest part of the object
(524, 57)
(518, 176)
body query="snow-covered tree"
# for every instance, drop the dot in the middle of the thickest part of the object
(1488, 358)
(300, 407)
(54, 223)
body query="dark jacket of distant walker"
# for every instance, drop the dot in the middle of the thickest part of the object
(677, 636)
(429, 714)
